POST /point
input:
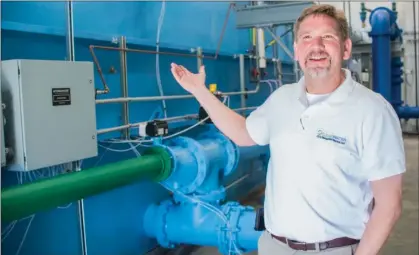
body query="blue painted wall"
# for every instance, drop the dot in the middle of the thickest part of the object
(35, 30)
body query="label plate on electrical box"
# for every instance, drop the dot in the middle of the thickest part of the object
(61, 96)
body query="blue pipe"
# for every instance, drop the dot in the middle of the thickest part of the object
(196, 216)
(387, 70)
(408, 112)
(229, 227)
(381, 51)
(396, 82)
(201, 162)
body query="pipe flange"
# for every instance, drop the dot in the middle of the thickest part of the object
(166, 156)
(198, 152)
(233, 156)
(162, 212)
(232, 151)
(166, 146)
(228, 234)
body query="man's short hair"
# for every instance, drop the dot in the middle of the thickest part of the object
(327, 10)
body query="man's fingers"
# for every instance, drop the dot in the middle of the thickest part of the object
(181, 70)
(185, 71)
(176, 74)
(176, 69)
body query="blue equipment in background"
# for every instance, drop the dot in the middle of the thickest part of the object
(387, 69)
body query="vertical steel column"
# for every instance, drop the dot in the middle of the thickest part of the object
(124, 84)
(242, 82)
(70, 31)
(75, 165)
(275, 54)
(199, 57)
(81, 216)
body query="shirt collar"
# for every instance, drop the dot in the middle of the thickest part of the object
(337, 96)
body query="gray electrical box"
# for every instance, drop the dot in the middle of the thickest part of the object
(50, 113)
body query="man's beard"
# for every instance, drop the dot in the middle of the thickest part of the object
(318, 72)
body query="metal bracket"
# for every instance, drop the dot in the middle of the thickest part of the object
(270, 14)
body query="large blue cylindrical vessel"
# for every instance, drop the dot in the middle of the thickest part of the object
(381, 51)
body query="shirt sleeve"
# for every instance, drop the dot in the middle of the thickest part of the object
(383, 147)
(257, 124)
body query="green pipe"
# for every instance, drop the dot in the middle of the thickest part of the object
(24, 200)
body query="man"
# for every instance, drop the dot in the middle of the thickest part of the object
(335, 145)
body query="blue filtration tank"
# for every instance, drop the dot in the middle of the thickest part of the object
(387, 68)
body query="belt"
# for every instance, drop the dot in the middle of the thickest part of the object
(335, 243)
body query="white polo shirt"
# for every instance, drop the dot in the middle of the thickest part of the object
(323, 156)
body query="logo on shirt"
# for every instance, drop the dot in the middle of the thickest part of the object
(330, 137)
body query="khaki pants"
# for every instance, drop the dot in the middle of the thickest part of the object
(267, 245)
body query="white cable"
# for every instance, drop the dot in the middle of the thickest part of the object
(193, 126)
(159, 26)
(164, 137)
(211, 208)
(139, 140)
(32, 176)
(269, 83)
(115, 150)
(25, 234)
(11, 226)
(8, 230)
(278, 82)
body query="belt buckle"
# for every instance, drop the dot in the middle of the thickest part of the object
(322, 246)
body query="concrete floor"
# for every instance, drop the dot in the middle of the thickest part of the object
(405, 237)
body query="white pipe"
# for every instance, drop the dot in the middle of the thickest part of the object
(261, 47)
(261, 43)
(75, 165)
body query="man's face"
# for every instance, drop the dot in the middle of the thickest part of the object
(319, 48)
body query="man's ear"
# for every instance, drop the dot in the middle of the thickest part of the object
(347, 49)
